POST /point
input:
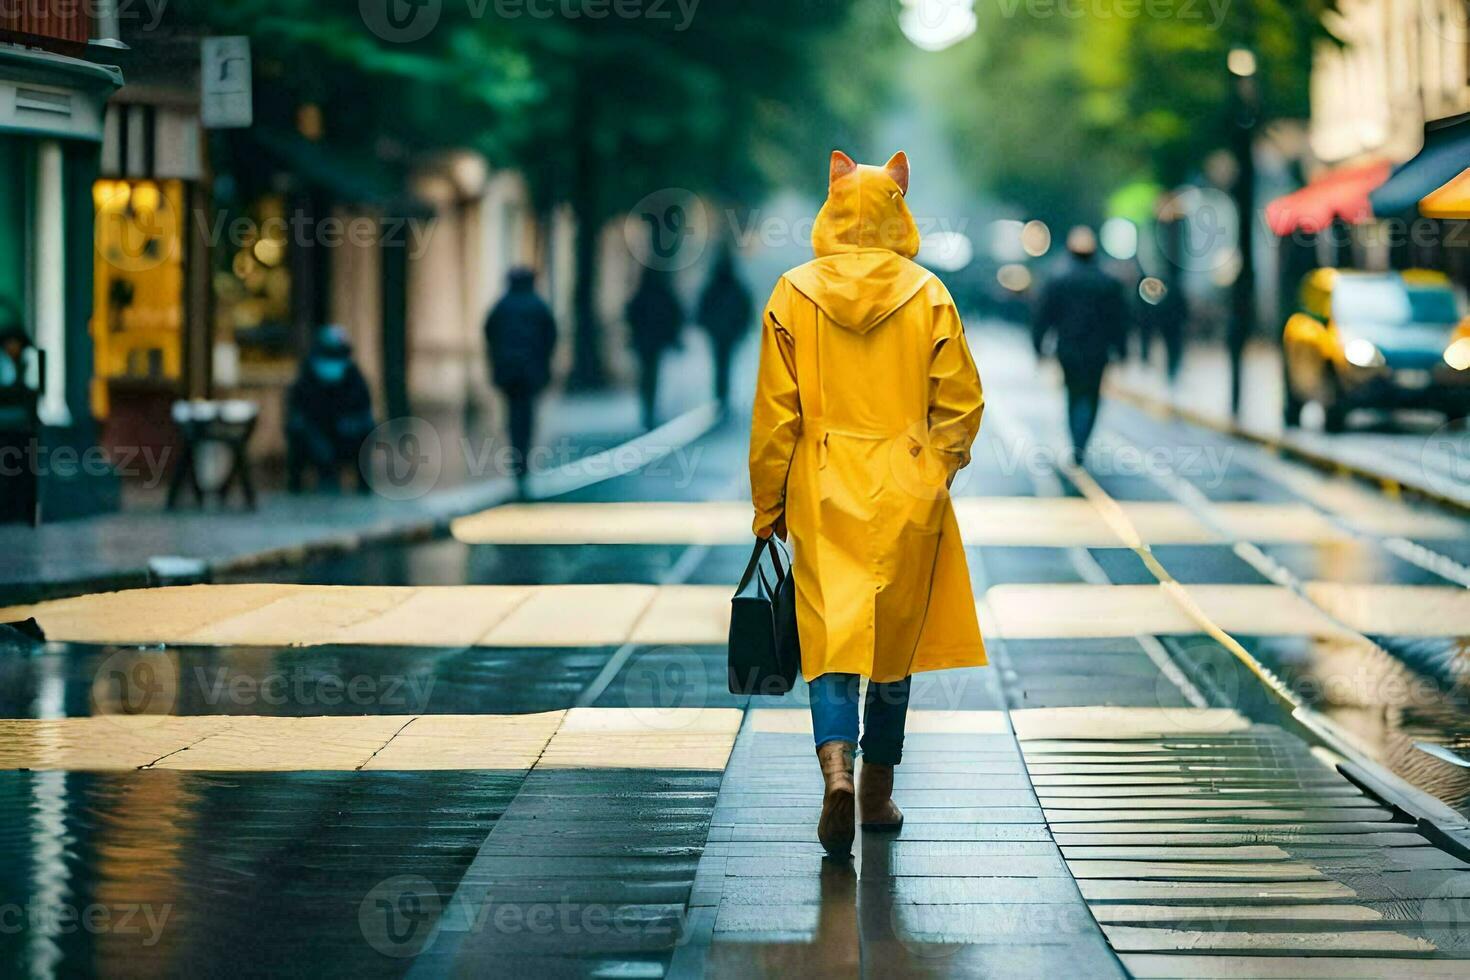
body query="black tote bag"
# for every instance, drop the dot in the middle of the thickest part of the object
(765, 653)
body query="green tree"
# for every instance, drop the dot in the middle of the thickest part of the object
(597, 110)
(1070, 107)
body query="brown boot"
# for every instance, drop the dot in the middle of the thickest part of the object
(875, 798)
(835, 829)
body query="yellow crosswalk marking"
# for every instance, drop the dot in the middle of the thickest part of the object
(99, 743)
(469, 742)
(1396, 610)
(309, 615)
(686, 614)
(573, 615)
(1016, 521)
(1034, 724)
(611, 615)
(683, 522)
(582, 738)
(254, 743)
(643, 738)
(1274, 523)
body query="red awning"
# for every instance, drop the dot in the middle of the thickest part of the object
(1341, 193)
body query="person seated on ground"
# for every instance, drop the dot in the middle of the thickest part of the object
(329, 413)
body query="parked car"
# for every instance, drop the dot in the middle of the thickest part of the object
(1382, 340)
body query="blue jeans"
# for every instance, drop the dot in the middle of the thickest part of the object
(835, 715)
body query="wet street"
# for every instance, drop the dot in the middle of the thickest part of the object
(1224, 732)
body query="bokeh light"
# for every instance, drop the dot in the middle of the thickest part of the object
(1120, 238)
(1015, 277)
(937, 24)
(1151, 290)
(1036, 238)
(947, 251)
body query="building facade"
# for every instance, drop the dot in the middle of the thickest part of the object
(52, 110)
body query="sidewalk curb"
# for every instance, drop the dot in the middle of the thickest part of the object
(680, 431)
(1391, 485)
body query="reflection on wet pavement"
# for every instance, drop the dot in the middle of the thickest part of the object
(74, 680)
(1387, 701)
(255, 873)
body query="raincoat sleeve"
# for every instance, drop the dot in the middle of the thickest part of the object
(776, 418)
(955, 397)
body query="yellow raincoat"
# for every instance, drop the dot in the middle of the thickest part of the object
(866, 406)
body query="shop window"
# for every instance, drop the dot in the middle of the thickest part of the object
(252, 291)
(138, 305)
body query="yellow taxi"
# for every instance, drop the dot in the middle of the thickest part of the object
(1376, 340)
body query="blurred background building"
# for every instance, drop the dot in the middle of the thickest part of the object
(385, 176)
(52, 102)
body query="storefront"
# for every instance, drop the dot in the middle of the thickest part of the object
(51, 110)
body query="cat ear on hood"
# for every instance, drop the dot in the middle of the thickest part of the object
(898, 168)
(842, 165)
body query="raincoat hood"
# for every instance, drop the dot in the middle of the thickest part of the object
(864, 238)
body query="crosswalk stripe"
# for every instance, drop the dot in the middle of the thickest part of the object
(581, 738)
(1008, 521)
(698, 615)
(1054, 611)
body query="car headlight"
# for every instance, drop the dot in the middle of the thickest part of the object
(1361, 353)
(1457, 355)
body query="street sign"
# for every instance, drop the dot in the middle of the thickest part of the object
(224, 83)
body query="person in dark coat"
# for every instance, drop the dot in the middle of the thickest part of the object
(655, 318)
(1084, 314)
(520, 337)
(329, 412)
(725, 311)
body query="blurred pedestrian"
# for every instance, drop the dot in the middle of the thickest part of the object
(656, 318)
(1083, 314)
(18, 422)
(725, 309)
(867, 402)
(14, 343)
(329, 413)
(1163, 311)
(520, 336)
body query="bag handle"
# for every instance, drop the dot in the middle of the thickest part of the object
(777, 552)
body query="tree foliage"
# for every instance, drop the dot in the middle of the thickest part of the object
(726, 101)
(1073, 105)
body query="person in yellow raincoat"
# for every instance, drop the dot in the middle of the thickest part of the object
(866, 405)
